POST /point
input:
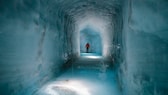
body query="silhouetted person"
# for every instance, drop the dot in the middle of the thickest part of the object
(87, 47)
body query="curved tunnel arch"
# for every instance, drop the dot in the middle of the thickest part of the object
(44, 34)
(38, 36)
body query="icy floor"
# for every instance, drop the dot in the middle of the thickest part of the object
(87, 76)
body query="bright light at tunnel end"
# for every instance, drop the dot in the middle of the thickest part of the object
(92, 57)
(100, 24)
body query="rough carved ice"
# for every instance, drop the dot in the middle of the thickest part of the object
(40, 40)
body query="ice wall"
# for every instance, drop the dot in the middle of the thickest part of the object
(38, 36)
(145, 67)
(35, 40)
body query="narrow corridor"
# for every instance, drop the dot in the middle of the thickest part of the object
(89, 75)
(43, 45)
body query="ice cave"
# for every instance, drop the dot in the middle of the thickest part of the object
(83, 47)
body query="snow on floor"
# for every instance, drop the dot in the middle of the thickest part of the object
(87, 76)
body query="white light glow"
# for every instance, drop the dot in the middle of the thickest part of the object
(93, 57)
(100, 24)
(71, 85)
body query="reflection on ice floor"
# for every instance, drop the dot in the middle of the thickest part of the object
(85, 77)
(90, 55)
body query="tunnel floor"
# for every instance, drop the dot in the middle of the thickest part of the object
(87, 76)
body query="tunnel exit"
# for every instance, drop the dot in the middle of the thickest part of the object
(90, 41)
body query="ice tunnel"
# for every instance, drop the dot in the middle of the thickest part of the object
(93, 37)
(42, 40)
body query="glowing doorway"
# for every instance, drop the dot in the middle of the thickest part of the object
(89, 35)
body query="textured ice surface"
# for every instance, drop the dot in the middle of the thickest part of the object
(33, 45)
(87, 76)
(38, 36)
(144, 71)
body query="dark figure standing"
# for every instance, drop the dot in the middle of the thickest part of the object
(87, 47)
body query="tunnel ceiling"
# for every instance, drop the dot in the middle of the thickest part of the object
(103, 16)
(77, 9)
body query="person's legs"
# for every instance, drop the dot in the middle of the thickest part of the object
(87, 50)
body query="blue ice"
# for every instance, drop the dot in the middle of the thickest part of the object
(87, 76)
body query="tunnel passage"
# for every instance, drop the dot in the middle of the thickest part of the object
(38, 36)
(88, 35)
